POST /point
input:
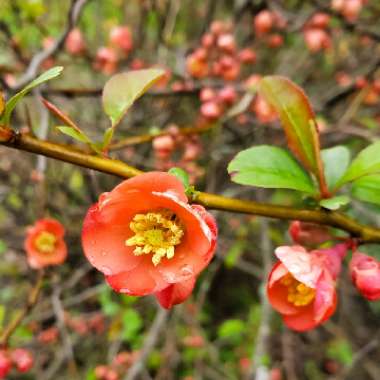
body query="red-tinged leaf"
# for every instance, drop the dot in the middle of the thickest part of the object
(59, 114)
(298, 121)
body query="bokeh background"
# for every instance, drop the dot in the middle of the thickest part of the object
(213, 53)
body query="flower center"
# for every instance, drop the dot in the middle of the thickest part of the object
(298, 293)
(45, 242)
(157, 233)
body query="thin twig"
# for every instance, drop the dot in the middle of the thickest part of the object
(31, 302)
(149, 344)
(66, 153)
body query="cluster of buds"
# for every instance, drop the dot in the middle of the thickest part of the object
(122, 361)
(20, 358)
(215, 102)
(85, 325)
(120, 45)
(218, 55)
(372, 87)
(267, 26)
(315, 33)
(349, 9)
(188, 147)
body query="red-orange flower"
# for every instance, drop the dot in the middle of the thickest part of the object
(301, 285)
(44, 243)
(146, 238)
(365, 273)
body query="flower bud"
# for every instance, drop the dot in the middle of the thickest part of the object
(365, 273)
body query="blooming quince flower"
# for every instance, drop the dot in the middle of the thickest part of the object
(146, 239)
(301, 286)
(365, 273)
(44, 243)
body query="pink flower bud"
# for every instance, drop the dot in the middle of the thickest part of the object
(275, 40)
(121, 37)
(365, 273)
(23, 359)
(207, 94)
(207, 40)
(163, 143)
(263, 22)
(211, 110)
(226, 42)
(247, 55)
(106, 60)
(308, 234)
(100, 372)
(316, 39)
(320, 20)
(5, 364)
(75, 44)
(351, 9)
(227, 95)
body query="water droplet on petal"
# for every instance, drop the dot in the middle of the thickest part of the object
(186, 271)
(295, 268)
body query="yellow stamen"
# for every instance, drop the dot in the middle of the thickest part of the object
(298, 293)
(45, 242)
(157, 233)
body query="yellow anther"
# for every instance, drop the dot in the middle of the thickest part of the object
(45, 242)
(298, 293)
(157, 233)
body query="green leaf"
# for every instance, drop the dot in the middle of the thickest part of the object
(109, 307)
(122, 90)
(11, 104)
(271, 167)
(234, 253)
(367, 162)
(367, 189)
(181, 175)
(340, 350)
(231, 328)
(107, 137)
(132, 324)
(335, 203)
(297, 118)
(335, 162)
(76, 135)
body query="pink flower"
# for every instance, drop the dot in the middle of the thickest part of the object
(365, 273)
(301, 285)
(44, 243)
(146, 239)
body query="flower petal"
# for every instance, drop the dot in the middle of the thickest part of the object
(278, 293)
(301, 321)
(300, 263)
(154, 181)
(139, 281)
(175, 293)
(325, 296)
(38, 260)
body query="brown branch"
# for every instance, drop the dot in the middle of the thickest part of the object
(150, 342)
(31, 301)
(66, 153)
